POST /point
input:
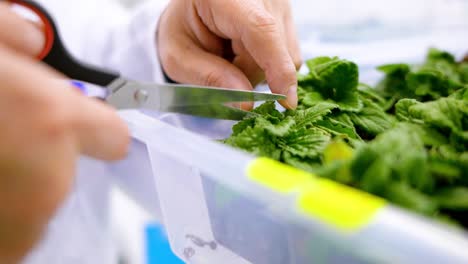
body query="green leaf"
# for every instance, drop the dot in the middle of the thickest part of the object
(338, 128)
(268, 110)
(430, 136)
(255, 141)
(332, 80)
(461, 94)
(439, 55)
(371, 120)
(444, 171)
(309, 165)
(363, 159)
(376, 176)
(414, 169)
(455, 198)
(313, 114)
(305, 143)
(376, 96)
(338, 171)
(399, 150)
(448, 165)
(405, 196)
(429, 83)
(313, 64)
(446, 114)
(281, 129)
(395, 79)
(311, 98)
(402, 109)
(397, 69)
(242, 125)
(463, 70)
(444, 63)
(437, 77)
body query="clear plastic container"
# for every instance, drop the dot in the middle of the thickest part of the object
(214, 211)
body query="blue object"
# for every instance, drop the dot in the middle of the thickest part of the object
(81, 86)
(158, 250)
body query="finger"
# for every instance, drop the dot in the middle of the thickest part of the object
(101, 133)
(98, 130)
(292, 40)
(263, 36)
(258, 30)
(61, 110)
(19, 34)
(203, 68)
(246, 63)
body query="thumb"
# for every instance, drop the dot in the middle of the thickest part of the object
(20, 34)
(196, 66)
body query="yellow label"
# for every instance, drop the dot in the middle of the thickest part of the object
(340, 205)
(333, 203)
(277, 176)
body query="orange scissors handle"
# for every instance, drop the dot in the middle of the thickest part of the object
(57, 56)
(48, 27)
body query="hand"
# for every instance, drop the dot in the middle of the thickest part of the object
(231, 43)
(44, 126)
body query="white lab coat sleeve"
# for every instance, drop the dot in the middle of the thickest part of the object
(106, 34)
(130, 48)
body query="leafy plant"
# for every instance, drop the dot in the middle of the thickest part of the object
(405, 140)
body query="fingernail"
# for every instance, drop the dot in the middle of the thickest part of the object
(292, 97)
(35, 39)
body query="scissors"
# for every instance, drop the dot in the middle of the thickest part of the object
(123, 93)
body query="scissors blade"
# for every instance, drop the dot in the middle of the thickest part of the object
(217, 111)
(165, 97)
(193, 94)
